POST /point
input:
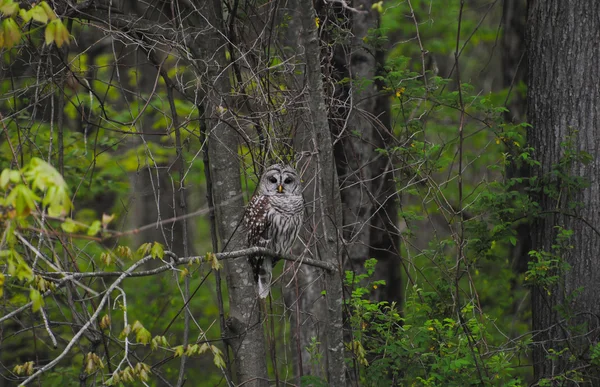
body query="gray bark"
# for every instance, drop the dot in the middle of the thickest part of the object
(564, 100)
(367, 184)
(244, 326)
(313, 141)
(303, 296)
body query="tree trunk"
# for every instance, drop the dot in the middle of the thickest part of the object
(244, 328)
(514, 73)
(303, 295)
(514, 60)
(564, 107)
(367, 184)
(313, 142)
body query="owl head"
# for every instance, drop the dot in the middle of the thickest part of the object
(280, 180)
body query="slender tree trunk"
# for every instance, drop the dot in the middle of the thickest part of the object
(313, 141)
(564, 107)
(367, 183)
(244, 328)
(514, 60)
(514, 74)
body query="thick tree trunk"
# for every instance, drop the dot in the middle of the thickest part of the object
(563, 104)
(244, 328)
(313, 142)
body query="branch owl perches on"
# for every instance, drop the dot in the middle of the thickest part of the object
(273, 219)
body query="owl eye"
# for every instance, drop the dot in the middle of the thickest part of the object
(272, 179)
(288, 180)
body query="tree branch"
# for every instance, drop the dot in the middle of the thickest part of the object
(78, 335)
(198, 259)
(174, 262)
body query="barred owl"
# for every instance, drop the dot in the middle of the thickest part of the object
(273, 218)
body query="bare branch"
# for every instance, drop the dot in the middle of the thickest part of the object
(93, 318)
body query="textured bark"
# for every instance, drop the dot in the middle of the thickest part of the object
(313, 141)
(244, 326)
(563, 100)
(367, 185)
(303, 296)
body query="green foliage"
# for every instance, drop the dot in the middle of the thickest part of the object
(36, 186)
(37, 194)
(11, 32)
(546, 268)
(423, 347)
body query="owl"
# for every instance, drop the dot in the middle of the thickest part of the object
(273, 219)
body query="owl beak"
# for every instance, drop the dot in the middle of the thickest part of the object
(280, 188)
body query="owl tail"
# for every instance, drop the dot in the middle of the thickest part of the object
(265, 274)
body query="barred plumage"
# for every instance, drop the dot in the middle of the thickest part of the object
(273, 219)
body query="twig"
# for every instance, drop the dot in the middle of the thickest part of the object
(40, 255)
(460, 243)
(125, 323)
(47, 326)
(78, 335)
(346, 6)
(197, 259)
(71, 276)
(183, 208)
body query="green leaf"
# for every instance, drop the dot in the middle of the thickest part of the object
(12, 33)
(192, 350)
(43, 175)
(23, 271)
(137, 325)
(69, 226)
(37, 299)
(143, 336)
(8, 7)
(214, 262)
(158, 340)
(49, 33)
(38, 13)
(25, 15)
(57, 201)
(4, 178)
(178, 351)
(218, 360)
(143, 249)
(61, 34)
(94, 228)
(125, 332)
(23, 199)
(49, 11)
(15, 176)
(157, 251)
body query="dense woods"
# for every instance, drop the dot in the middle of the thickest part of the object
(449, 157)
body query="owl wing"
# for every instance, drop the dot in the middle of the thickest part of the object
(256, 220)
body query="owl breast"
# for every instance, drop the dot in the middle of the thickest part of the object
(284, 216)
